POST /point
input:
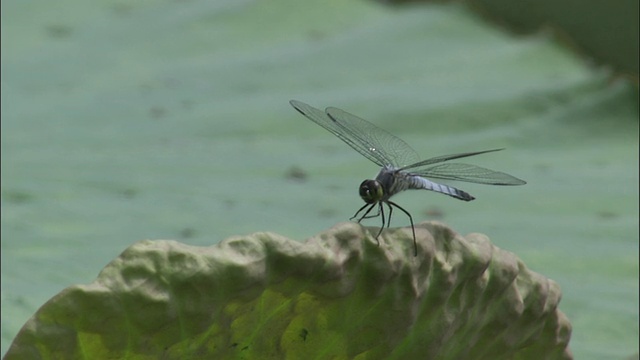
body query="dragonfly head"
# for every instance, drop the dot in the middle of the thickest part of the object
(371, 191)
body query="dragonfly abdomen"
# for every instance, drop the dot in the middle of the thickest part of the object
(418, 182)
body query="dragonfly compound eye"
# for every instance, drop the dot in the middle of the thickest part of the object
(371, 191)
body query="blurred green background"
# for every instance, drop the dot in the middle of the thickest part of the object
(124, 121)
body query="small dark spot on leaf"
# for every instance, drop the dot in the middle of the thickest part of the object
(434, 213)
(297, 174)
(129, 193)
(607, 214)
(16, 197)
(303, 334)
(187, 233)
(244, 348)
(59, 31)
(157, 112)
(233, 345)
(229, 204)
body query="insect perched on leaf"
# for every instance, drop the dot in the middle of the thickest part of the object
(401, 168)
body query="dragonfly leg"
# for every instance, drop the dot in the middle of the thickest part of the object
(372, 216)
(365, 214)
(413, 230)
(381, 211)
(390, 212)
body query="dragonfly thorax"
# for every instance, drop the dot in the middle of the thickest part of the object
(371, 191)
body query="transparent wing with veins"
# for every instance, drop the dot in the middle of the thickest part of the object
(461, 172)
(375, 144)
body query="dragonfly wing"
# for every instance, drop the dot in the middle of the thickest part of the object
(352, 139)
(387, 148)
(443, 158)
(468, 173)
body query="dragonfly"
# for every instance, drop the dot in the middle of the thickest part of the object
(401, 167)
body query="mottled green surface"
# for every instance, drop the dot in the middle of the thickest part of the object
(123, 122)
(339, 296)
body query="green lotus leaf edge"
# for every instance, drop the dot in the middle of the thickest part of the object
(342, 294)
